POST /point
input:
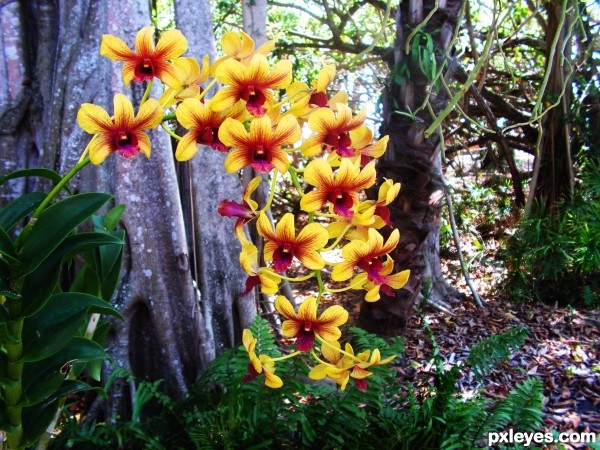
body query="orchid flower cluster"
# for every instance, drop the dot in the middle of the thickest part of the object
(247, 121)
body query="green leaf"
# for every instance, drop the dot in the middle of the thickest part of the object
(78, 350)
(36, 419)
(7, 248)
(20, 208)
(43, 388)
(55, 224)
(111, 254)
(39, 388)
(112, 217)
(57, 322)
(109, 284)
(94, 368)
(39, 284)
(38, 172)
(6, 290)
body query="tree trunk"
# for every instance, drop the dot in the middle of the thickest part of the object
(555, 179)
(51, 65)
(219, 275)
(415, 162)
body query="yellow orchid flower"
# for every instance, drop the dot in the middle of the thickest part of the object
(388, 191)
(282, 245)
(342, 366)
(332, 131)
(146, 62)
(124, 133)
(363, 145)
(364, 255)
(203, 124)
(239, 46)
(259, 364)
(251, 83)
(341, 190)
(357, 226)
(380, 279)
(261, 146)
(305, 324)
(304, 100)
(189, 79)
(268, 280)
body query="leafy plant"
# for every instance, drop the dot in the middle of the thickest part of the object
(437, 417)
(44, 341)
(485, 355)
(556, 257)
(223, 412)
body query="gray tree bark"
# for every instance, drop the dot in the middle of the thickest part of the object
(50, 65)
(415, 162)
(219, 275)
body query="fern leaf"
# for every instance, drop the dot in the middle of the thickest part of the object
(487, 354)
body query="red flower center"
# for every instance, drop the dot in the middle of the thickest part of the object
(318, 99)
(143, 71)
(261, 159)
(282, 257)
(206, 136)
(342, 203)
(255, 100)
(126, 144)
(373, 267)
(340, 142)
(306, 339)
(251, 375)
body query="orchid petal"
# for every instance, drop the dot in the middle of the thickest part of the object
(171, 45)
(115, 49)
(94, 119)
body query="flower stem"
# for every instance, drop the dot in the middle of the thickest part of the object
(304, 278)
(80, 165)
(204, 92)
(147, 92)
(271, 192)
(169, 132)
(294, 175)
(339, 238)
(354, 285)
(281, 358)
(343, 352)
(321, 286)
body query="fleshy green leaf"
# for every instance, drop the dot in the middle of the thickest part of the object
(6, 290)
(36, 419)
(77, 350)
(110, 255)
(7, 248)
(38, 172)
(55, 224)
(20, 208)
(58, 321)
(40, 284)
(112, 217)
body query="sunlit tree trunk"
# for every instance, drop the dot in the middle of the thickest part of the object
(217, 271)
(414, 161)
(554, 177)
(51, 64)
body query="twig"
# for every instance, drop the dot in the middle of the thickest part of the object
(463, 266)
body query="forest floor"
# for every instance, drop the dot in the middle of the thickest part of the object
(562, 349)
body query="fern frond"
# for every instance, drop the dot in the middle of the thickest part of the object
(367, 341)
(522, 408)
(487, 354)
